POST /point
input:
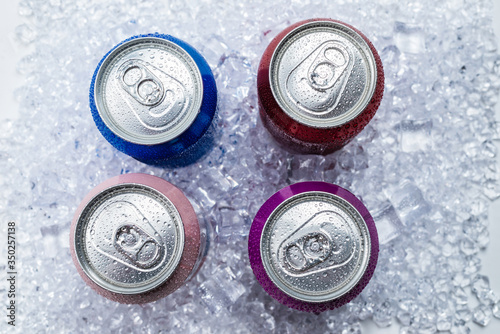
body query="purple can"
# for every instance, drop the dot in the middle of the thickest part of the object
(313, 246)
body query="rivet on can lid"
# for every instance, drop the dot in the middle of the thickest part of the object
(129, 239)
(157, 82)
(315, 246)
(323, 74)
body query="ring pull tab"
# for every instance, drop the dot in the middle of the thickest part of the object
(140, 248)
(316, 84)
(153, 96)
(326, 69)
(133, 241)
(323, 242)
(308, 251)
(140, 83)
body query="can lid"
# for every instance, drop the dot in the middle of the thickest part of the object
(315, 246)
(129, 238)
(148, 90)
(323, 74)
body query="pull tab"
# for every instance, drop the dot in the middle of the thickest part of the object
(308, 251)
(157, 98)
(323, 242)
(120, 231)
(317, 82)
(331, 61)
(140, 83)
(133, 242)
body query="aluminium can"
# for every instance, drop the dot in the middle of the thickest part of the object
(136, 238)
(154, 98)
(313, 246)
(320, 82)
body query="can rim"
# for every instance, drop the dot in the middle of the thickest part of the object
(164, 275)
(346, 286)
(363, 102)
(146, 139)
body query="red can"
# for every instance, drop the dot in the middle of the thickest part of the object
(320, 82)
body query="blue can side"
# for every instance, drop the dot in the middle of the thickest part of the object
(193, 143)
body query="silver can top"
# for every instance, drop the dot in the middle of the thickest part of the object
(129, 239)
(315, 246)
(323, 74)
(148, 90)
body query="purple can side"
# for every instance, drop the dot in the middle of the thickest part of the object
(254, 242)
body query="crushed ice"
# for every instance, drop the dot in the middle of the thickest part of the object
(425, 166)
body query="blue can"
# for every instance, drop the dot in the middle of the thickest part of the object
(154, 98)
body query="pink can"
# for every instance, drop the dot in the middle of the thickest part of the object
(136, 238)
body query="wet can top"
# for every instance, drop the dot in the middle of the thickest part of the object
(135, 234)
(313, 246)
(323, 74)
(148, 90)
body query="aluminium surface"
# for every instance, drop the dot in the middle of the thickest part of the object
(129, 239)
(315, 246)
(148, 90)
(323, 74)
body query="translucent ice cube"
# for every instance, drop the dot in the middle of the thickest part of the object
(415, 135)
(388, 223)
(221, 290)
(482, 315)
(408, 202)
(409, 39)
